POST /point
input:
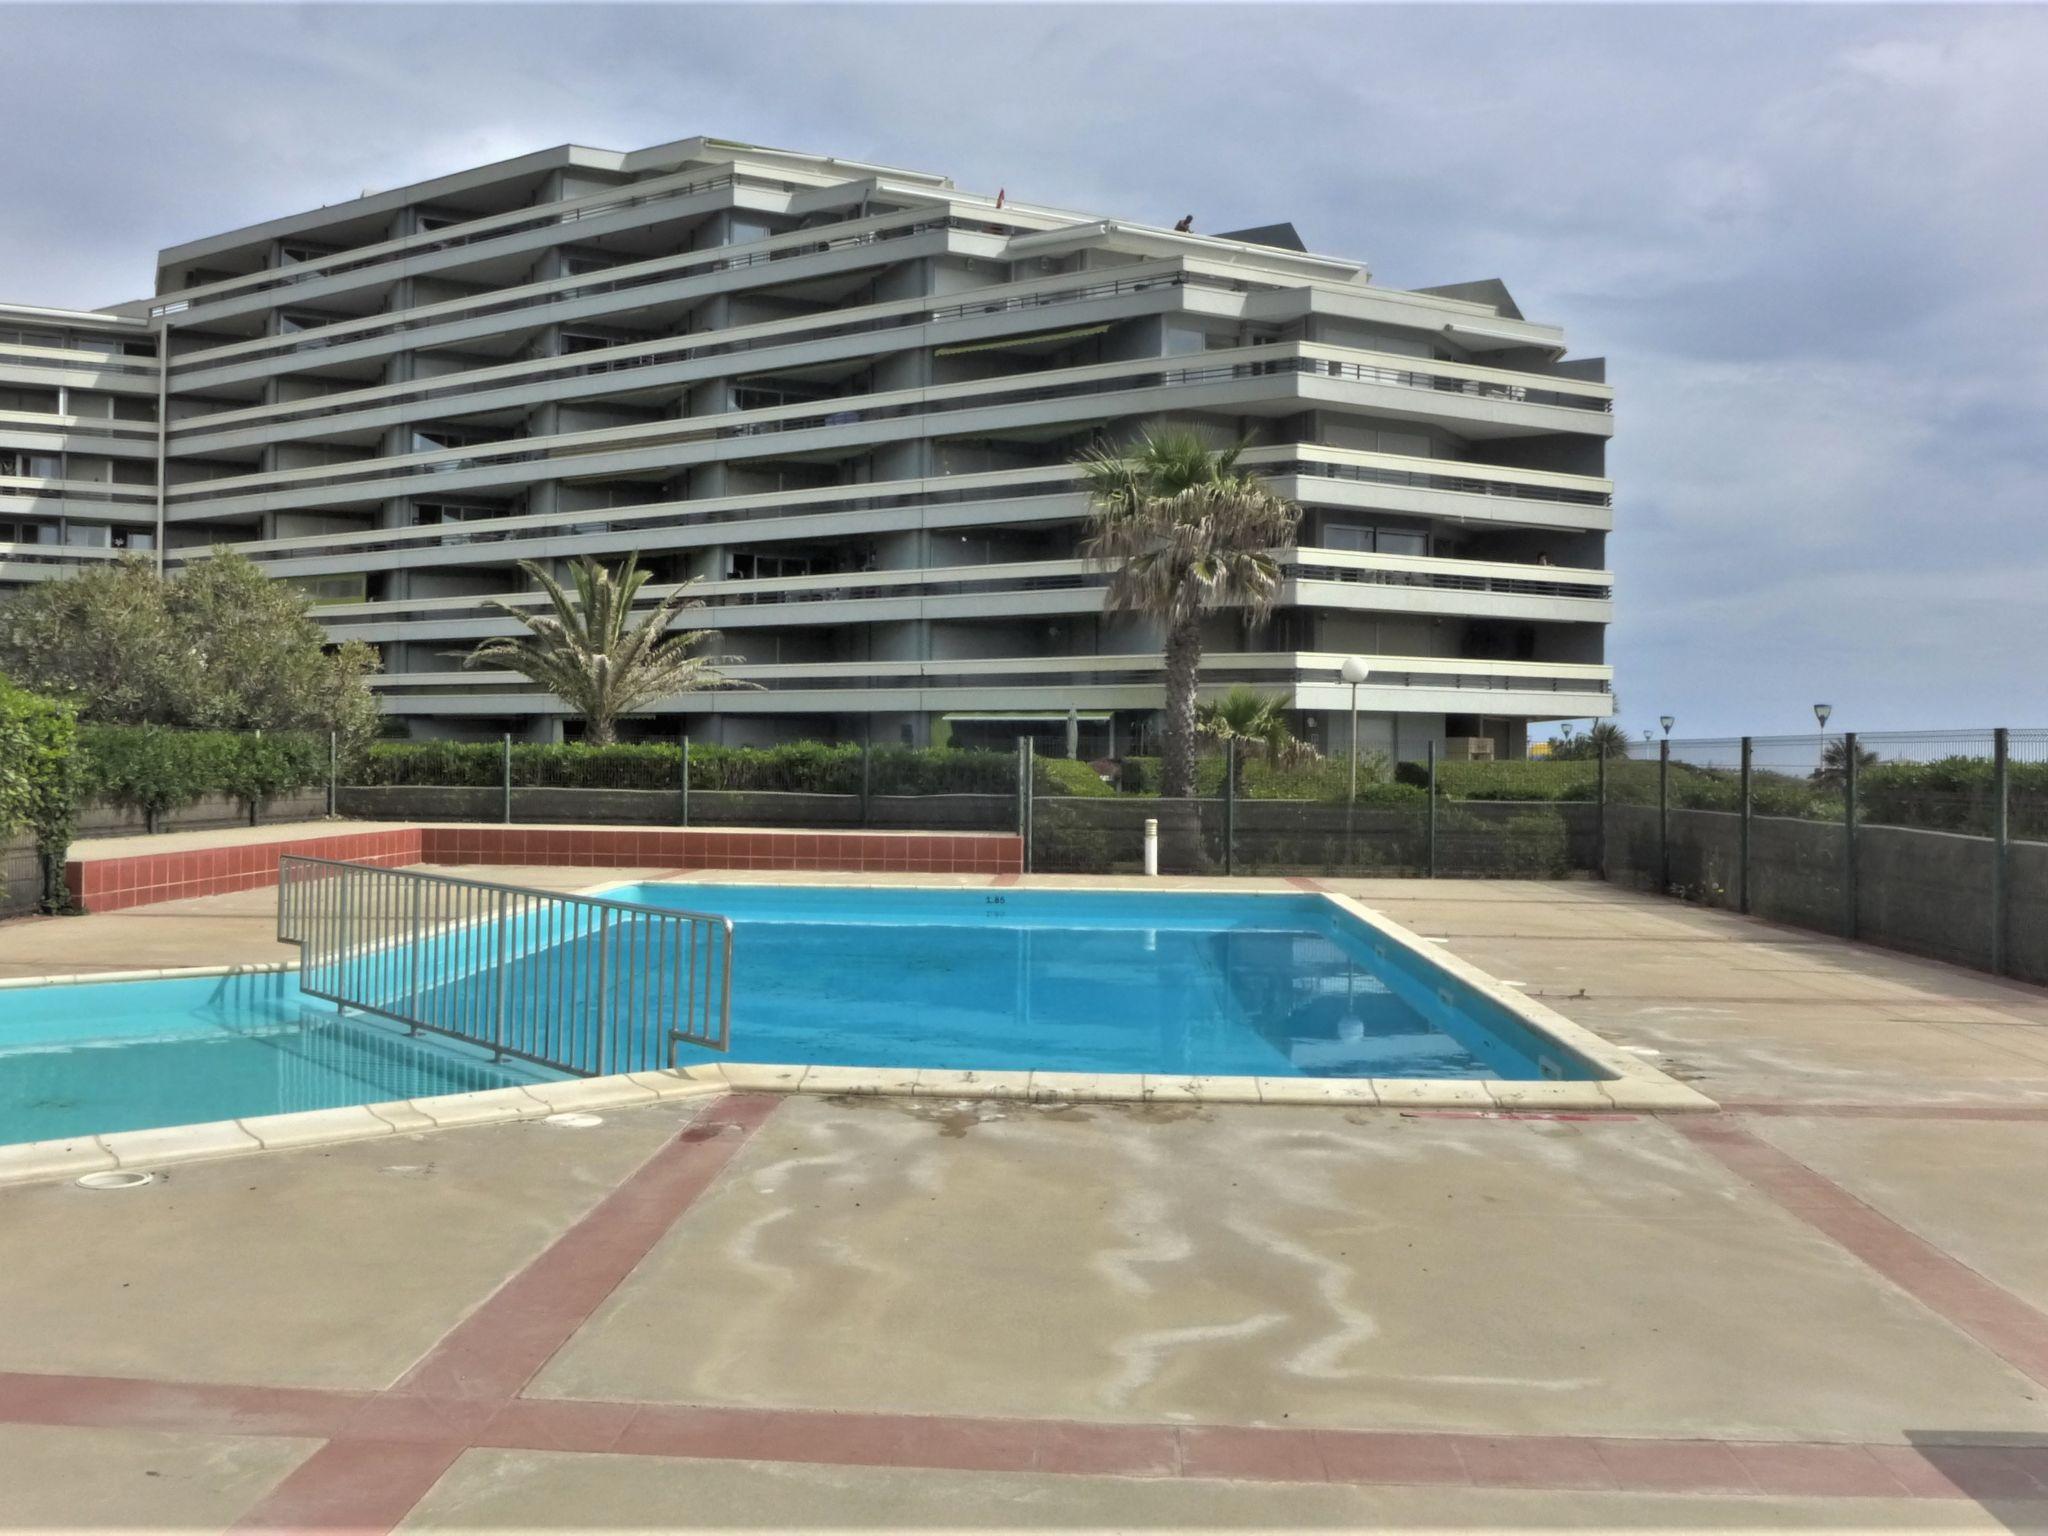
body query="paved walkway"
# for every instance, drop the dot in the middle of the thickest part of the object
(1826, 1308)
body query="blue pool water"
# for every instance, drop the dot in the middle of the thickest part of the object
(1073, 981)
(1096, 981)
(124, 1056)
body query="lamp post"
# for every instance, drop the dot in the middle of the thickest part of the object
(1667, 721)
(1354, 671)
(1821, 713)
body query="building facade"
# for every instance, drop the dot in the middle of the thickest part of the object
(844, 399)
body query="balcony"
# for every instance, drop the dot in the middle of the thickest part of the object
(1271, 379)
(1529, 690)
(997, 498)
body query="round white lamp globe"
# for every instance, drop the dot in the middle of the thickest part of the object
(1354, 670)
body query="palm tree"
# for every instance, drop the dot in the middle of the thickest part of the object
(1602, 739)
(1834, 762)
(1184, 529)
(1253, 723)
(590, 654)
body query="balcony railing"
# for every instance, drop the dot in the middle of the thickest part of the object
(1334, 567)
(455, 237)
(560, 291)
(466, 388)
(1268, 669)
(1285, 360)
(912, 499)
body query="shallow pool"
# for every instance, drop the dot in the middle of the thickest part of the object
(1096, 981)
(124, 1056)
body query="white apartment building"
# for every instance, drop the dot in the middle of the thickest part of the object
(844, 398)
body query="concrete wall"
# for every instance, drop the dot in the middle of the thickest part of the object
(204, 815)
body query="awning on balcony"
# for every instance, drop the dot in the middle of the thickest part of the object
(1020, 341)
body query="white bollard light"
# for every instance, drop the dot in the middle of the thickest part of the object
(1151, 846)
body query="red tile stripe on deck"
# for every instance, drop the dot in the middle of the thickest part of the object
(394, 1446)
(431, 1432)
(2011, 1329)
(498, 1348)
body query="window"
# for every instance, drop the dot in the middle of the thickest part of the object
(351, 588)
(1396, 541)
(33, 466)
(1368, 540)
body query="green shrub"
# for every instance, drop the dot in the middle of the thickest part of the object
(1531, 780)
(1067, 776)
(1530, 843)
(951, 771)
(154, 770)
(1141, 776)
(1953, 794)
(805, 767)
(39, 779)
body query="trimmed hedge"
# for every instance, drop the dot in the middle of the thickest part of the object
(1326, 779)
(39, 779)
(1952, 794)
(1069, 777)
(1522, 781)
(807, 767)
(153, 770)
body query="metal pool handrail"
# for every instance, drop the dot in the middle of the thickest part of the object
(578, 983)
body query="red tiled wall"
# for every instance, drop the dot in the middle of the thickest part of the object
(695, 848)
(108, 885)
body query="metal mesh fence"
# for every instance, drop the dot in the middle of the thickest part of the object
(1214, 836)
(1930, 841)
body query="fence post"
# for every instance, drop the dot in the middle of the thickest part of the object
(1664, 817)
(505, 777)
(1432, 810)
(416, 941)
(2001, 842)
(1600, 811)
(1030, 790)
(866, 778)
(684, 786)
(1848, 834)
(604, 991)
(333, 768)
(1230, 806)
(500, 1012)
(1748, 811)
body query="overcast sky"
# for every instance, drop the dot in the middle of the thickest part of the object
(1812, 243)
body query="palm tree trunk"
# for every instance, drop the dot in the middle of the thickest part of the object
(1183, 672)
(599, 730)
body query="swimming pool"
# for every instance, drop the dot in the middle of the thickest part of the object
(1097, 981)
(1076, 982)
(103, 1057)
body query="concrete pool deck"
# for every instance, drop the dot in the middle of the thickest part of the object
(1825, 1307)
